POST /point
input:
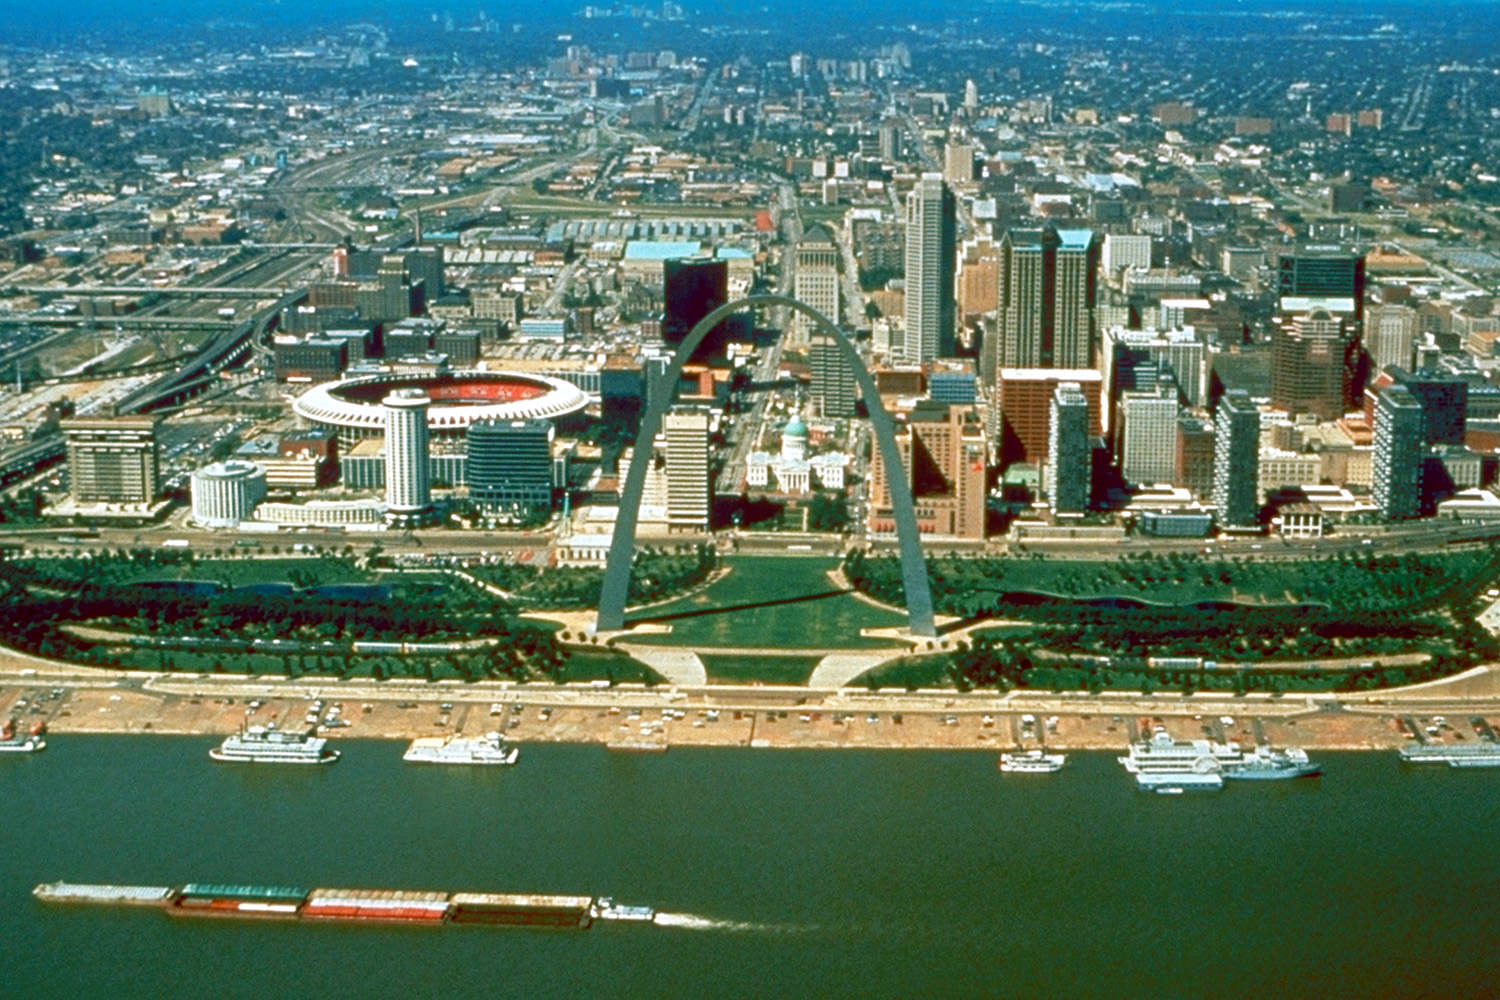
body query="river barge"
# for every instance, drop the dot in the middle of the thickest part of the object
(290, 902)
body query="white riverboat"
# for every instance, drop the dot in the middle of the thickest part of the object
(488, 749)
(1162, 763)
(1032, 762)
(1452, 754)
(13, 741)
(268, 745)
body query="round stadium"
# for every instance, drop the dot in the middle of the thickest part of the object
(352, 407)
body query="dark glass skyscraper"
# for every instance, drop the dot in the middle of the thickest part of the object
(1396, 480)
(692, 290)
(510, 465)
(1444, 399)
(1323, 272)
(1236, 446)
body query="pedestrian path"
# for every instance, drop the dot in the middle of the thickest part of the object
(837, 669)
(677, 666)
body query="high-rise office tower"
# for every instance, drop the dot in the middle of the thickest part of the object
(1444, 399)
(1195, 457)
(1396, 479)
(510, 464)
(889, 135)
(394, 293)
(832, 385)
(1236, 470)
(1391, 335)
(408, 486)
(1023, 402)
(1149, 452)
(815, 281)
(978, 279)
(1183, 352)
(1124, 251)
(958, 162)
(1048, 290)
(1068, 479)
(943, 452)
(1323, 272)
(931, 260)
(1313, 364)
(692, 289)
(688, 486)
(112, 459)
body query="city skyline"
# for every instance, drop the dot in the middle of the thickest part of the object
(448, 452)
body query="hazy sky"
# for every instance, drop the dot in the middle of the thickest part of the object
(26, 21)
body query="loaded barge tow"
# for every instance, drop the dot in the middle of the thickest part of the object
(284, 902)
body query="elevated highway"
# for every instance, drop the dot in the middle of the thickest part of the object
(224, 351)
(123, 322)
(172, 292)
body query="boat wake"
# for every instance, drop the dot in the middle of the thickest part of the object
(694, 922)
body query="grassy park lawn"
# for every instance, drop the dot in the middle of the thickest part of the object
(770, 602)
(305, 570)
(579, 667)
(1354, 582)
(732, 669)
(617, 668)
(909, 672)
(246, 572)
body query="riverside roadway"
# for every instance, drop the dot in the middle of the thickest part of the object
(94, 700)
(1423, 537)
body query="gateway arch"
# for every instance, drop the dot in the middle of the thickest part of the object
(613, 592)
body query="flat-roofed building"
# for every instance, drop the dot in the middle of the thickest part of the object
(688, 484)
(1068, 474)
(1236, 469)
(944, 455)
(1149, 442)
(1024, 405)
(112, 459)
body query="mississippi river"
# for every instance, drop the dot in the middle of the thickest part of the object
(777, 874)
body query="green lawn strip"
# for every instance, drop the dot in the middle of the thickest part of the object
(771, 602)
(909, 672)
(616, 668)
(578, 667)
(731, 669)
(1360, 582)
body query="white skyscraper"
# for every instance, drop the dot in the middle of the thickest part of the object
(1390, 335)
(688, 487)
(816, 281)
(408, 489)
(1150, 436)
(931, 260)
(1122, 251)
(958, 162)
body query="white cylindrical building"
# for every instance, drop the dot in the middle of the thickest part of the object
(225, 493)
(408, 490)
